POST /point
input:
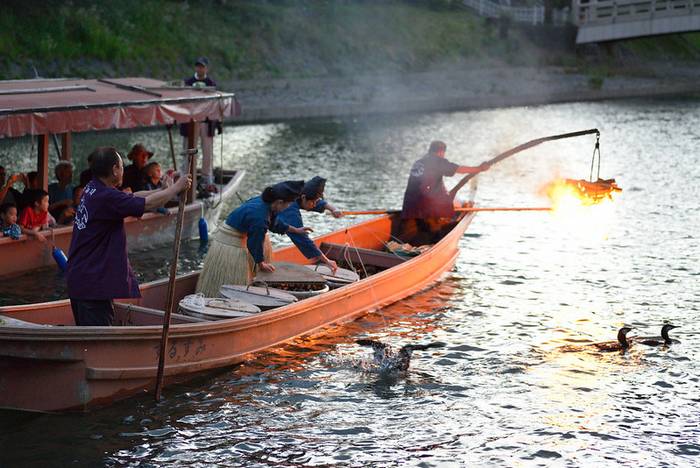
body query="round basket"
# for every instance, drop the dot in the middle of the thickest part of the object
(323, 288)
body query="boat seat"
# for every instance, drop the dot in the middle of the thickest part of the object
(131, 314)
(370, 257)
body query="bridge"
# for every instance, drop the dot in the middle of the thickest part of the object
(610, 20)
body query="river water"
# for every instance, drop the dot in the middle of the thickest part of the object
(501, 393)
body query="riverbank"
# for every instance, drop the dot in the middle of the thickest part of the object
(448, 90)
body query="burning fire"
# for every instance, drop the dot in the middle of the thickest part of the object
(585, 207)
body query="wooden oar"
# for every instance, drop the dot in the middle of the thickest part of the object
(170, 299)
(466, 209)
(518, 149)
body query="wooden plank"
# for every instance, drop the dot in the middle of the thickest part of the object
(359, 255)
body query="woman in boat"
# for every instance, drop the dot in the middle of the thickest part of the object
(311, 199)
(242, 244)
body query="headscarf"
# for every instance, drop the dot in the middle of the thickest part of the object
(313, 189)
(289, 190)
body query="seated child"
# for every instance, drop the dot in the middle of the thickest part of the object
(152, 176)
(8, 221)
(36, 216)
(68, 214)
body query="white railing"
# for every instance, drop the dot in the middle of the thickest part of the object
(530, 15)
(612, 11)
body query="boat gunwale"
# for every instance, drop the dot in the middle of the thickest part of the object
(188, 330)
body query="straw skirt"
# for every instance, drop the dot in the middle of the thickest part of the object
(228, 261)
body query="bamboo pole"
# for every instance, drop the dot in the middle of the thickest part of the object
(518, 149)
(466, 209)
(170, 299)
(172, 147)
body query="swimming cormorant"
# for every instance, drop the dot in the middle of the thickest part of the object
(388, 360)
(621, 344)
(663, 340)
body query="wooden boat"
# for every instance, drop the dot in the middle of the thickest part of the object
(64, 106)
(48, 364)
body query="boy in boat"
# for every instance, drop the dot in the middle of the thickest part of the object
(152, 176)
(205, 130)
(242, 245)
(8, 221)
(61, 192)
(426, 200)
(98, 267)
(311, 199)
(36, 215)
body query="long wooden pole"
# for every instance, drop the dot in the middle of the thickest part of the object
(518, 149)
(170, 303)
(466, 209)
(172, 147)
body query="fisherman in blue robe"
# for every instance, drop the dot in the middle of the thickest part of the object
(241, 245)
(311, 199)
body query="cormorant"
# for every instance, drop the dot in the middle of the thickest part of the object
(389, 360)
(663, 340)
(621, 344)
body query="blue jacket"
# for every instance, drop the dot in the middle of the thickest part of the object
(292, 217)
(255, 218)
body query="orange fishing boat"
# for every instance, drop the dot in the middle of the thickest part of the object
(45, 108)
(49, 364)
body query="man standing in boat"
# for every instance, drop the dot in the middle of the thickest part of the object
(426, 199)
(205, 130)
(98, 267)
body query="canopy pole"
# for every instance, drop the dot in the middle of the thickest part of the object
(170, 298)
(67, 146)
(172, 147)
(191, 145)
(42, 161)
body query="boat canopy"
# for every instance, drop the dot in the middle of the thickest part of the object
(43, 106)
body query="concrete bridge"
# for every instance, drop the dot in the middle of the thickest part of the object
(609, 20)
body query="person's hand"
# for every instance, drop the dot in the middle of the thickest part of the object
(337, 213)
(16, 178)
(301, 230)
(68, 212)
(332, 265)
(40, 237)
(264, 266)
(183, 183)
(127, 190)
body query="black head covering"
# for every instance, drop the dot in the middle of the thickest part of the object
(313, 189)
(289, 190)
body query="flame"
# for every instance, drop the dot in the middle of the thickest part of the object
(583, 207)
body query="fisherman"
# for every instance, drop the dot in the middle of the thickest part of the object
(133, 177)
(98, 267)
(311, 199)
(426, 199)
(205, 130)
(242, 244)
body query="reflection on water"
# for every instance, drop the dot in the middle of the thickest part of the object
(501, 392)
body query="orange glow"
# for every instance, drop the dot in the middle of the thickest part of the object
(583, 207)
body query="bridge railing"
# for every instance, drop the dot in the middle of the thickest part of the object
(531, 15)
(613, 11)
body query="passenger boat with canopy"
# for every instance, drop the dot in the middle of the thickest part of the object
(47, 108)
(48, 364)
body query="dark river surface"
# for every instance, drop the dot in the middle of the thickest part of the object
(501, 393)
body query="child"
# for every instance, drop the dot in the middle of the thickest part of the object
(8, 221)
(152, 176)
(36, 216)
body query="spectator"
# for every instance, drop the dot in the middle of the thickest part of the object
(31, 185)
(61, 192)
(86, 175)
(68, 215)
(8, 221)
(8, 194)
(152, 176)
(132, 173)
(36, 216)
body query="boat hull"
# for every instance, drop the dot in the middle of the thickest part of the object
(77, 368)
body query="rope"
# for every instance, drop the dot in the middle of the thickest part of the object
(596, 149)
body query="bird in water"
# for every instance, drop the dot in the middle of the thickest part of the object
(622, 344)
(389, 360)
(663, 340)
